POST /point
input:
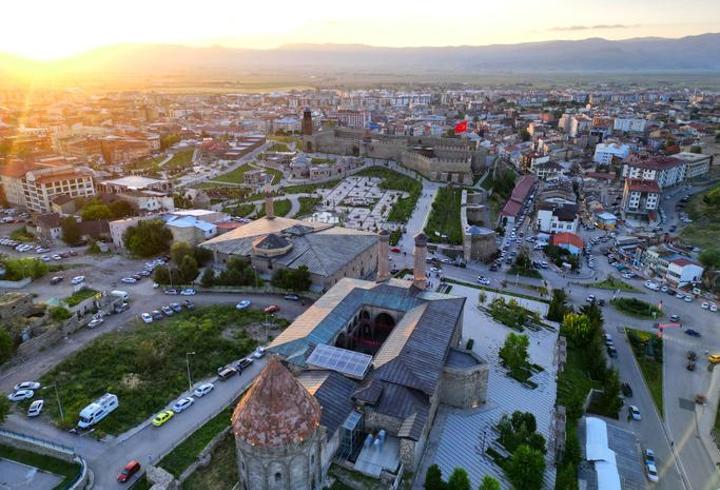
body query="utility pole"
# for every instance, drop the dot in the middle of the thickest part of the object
(187, 362)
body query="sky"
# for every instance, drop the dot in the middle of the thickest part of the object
(52, 29)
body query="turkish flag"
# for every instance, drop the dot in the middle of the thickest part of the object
(461, 127)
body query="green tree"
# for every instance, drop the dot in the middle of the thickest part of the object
(147, 238)
(179, 251)
(121, 209)
(59, 314)
(489, 483)
(95, 211)
(576, 328)
(188, 269)
(16, 269)
(514, 353)
(459, 480)
(433, 478)
(162, 275)
(208, 277)
(6, 345)
(525, 468)
(93, 248)
(558, 306)
(710, 258)
(4, 407)
(292, 279)
(70, 231)
(610, 399)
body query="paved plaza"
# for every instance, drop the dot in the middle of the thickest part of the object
(14, 475)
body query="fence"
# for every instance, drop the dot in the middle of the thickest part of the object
(43, 446)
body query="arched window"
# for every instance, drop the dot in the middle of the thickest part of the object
(278, 476)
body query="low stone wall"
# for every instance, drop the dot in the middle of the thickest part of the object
(205, 456)
(31, 347)
(15, 284)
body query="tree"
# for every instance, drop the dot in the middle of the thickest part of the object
(4, 407)
(433, 478)
(558, 306)
(459, 480)
(162, 275)
(610, 398)
(95, 211)
(59, 314)
(179, 250)
(147, 238)
(6, 345)
(489, 483)
(293, 279)
(710, 258)
(696, 149)
(525, 468)
(16, 269)
(514, 353)
(576, 328)
(70, 231)
(121, 209)
(188, 270)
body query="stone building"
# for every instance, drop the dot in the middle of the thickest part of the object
(479, 242)
(277, 433)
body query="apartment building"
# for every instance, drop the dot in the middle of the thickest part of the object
(630, 124)
(697, 164)
(640, 198)
(604, 152)
(34, 188)
(665, 171)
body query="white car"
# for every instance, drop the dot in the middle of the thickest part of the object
(183, 404)
(705, 305)
(77, 280)
(652, 285)
(27, 385)
(146, 317)
(243, 305)
(651, 471)
(35, 408)
(188, 292)
(95, 322)
(203, 390)
(689, 298)
(635, 413)
(713, 307)
(259, 352)
(128, 280)
(57, 257)
(21, 395)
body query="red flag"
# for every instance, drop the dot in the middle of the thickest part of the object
(461, 127)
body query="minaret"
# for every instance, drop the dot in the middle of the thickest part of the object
(383, 270)
(269, 205)
(307, 123)
(419, 274)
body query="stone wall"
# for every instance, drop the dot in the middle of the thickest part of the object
(31, 347)
(465, 388)
(15, 304)
(15, 284)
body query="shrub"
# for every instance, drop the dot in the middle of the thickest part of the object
(17, 269)
(147, 238)
(59, 314)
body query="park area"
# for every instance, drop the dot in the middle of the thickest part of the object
(443, 225)
(636, 308)
(144, 366)
(394, 181)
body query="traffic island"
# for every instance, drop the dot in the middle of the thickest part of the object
(648, 351)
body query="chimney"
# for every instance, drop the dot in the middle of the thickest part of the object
(419, 275)
(383, 270)
(269, 205)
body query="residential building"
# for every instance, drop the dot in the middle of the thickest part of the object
(569, 241)
(640, 199)
(554, 219)
(665, 171)
(135, 183)
(630, 124)
(519, 200)
(698, 164)
(605, 152)
(683, 271)
(189, 229)
(35, 188)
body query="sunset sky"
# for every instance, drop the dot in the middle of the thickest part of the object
(47, 29)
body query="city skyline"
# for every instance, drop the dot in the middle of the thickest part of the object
(78, 26)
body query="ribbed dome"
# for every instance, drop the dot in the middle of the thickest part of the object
(277, 410)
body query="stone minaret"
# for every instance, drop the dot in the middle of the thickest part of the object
(307, 123)
(383, 270)
(269, 205)
(419, 274)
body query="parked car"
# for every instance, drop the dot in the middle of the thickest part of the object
(56, 280)
(35, 408)
(189, 304)
(244, 363)
(203, 390)
(183, 404)
(171, 291)
(259, 352)
(651, 471)
(162, 417)
(692, 333)
(635, 412)
(77, 280)
(292, 297)
(146, 317)
(95, 322)
(157, 315)
(128, 471)
(225, 373)
(675, 318)
(128, 280)
(188, 292)
(244, 304)
(176, 307)
(626, 390)
(167, 310)
(271, 309)
(714, 358)
(395, 250)
(590, 298)
(27, 385)
(21, 395)
(713, 307)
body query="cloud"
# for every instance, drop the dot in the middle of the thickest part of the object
(597, 26)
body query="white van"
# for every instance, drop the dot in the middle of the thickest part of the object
(98, 410)
(120, 294)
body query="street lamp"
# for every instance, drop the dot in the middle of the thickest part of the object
(57, 396)
(187, 362)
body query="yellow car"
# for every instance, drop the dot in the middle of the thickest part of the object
(162, 417)
(714, 358)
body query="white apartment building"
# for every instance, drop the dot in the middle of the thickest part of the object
(630, 124)
(579, 124)
(35, 188)
(641, 198)
(665, 171)
(604, 152)
(697, 164)
(560, 219)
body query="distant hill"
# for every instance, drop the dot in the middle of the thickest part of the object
(688, 54)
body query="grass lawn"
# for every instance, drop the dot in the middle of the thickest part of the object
(613, 284)
(495, 290)
(221, 473)
(395, 181)
(636, 308)
(309, 188)
(79, 296)
(235, 176)
(277, 175)
(281, 207)
(145, 366)
(180, 160)
(704, 232)
(152, 163)
(651, 367)
(443, 225)
(22, 235)
(307, 205)
(69, 471)
(241, 210)
(186, 453)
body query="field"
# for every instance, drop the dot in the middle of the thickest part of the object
(704, 209)
(636, 308)
(443, 225)
(221, 473)
(613, 284)
(144, 366)
(307, 205)
(241, 210)
(394, 181)
(281, 207)
(309, 188)
(181, 160)
(651, 366)
(235, 176)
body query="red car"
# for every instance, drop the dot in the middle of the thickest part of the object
(271, 309)
(395, 250)
(130, 469)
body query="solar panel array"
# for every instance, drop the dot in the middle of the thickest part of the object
(344, 361)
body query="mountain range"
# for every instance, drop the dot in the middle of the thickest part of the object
(699, 53)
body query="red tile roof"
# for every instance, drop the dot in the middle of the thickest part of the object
(682, 262)
(654, 162)
(511, 208)
(640, 185)
(567, 238)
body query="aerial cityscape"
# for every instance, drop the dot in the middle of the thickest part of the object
(302, 246)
